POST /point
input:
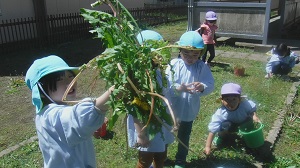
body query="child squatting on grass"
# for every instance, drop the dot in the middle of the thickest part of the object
(64, 131)
(154, 150)
(282, 61)
(234, 111)
(188, 79)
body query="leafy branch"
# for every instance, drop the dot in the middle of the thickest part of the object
(135, 70)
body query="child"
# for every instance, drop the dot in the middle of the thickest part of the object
(282, 61)
(188, 79)
(64, 131)
(207, 31)
(149, 151)
(233, 112)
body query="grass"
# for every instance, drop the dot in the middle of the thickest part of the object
(268, 94)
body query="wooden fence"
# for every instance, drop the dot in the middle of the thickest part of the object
(16, 34)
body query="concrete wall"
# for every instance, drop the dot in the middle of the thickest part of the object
(291, 13)
(274, 3)
(236, 19)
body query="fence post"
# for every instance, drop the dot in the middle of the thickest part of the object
(190, 14)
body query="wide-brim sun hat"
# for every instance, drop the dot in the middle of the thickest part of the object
(231, 88)
(191, 40)
(40, 68)
(211, 15)
(148, 35)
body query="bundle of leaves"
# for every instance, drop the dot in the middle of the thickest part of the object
(135, 70)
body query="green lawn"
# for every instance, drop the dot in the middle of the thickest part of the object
(268, 94)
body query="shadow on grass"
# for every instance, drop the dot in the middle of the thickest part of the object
(221, 66)
(262, 156)
(75, 53)
(220, 162)
(224, 67)
(213, 162)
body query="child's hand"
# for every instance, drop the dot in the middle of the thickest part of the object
(198, 86)
(297, 60)
(207, 150)
(256, 119)
(184, 88)
(143, 140)
(269, 75)
(191, 87)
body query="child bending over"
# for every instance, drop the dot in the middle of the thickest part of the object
(233, 112)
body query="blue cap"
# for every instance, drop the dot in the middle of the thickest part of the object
(191, 39)
(148, 35)
(231, 88)
(211, 15)
(40, 68)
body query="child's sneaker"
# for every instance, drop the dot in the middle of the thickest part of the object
(217, 141)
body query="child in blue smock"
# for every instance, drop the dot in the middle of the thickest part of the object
(234, 111)
(64, 131)
(154, 150)
(282, 61)
(188, 80)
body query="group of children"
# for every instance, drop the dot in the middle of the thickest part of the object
(65, 131)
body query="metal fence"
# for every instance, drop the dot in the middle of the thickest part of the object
(16, 34)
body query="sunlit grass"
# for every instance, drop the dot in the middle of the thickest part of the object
(269, 95)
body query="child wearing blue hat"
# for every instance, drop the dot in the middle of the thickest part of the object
(188, 80)
(235, 111)
(207, 30)
(154, 150)
(64, 131)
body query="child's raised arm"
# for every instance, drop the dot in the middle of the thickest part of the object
(101, 100)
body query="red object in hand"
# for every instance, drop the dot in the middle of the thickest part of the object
(101, 132)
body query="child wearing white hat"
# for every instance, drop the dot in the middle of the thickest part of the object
(188, 80)
(234, 111)
(207, 30)
(64, 131)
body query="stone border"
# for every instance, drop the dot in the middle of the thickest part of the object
(266, 150)
(274, 132)
(13, 148)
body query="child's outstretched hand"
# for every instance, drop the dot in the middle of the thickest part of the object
(207, 150)
(143, 140)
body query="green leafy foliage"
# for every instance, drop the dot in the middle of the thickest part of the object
(135, 70)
